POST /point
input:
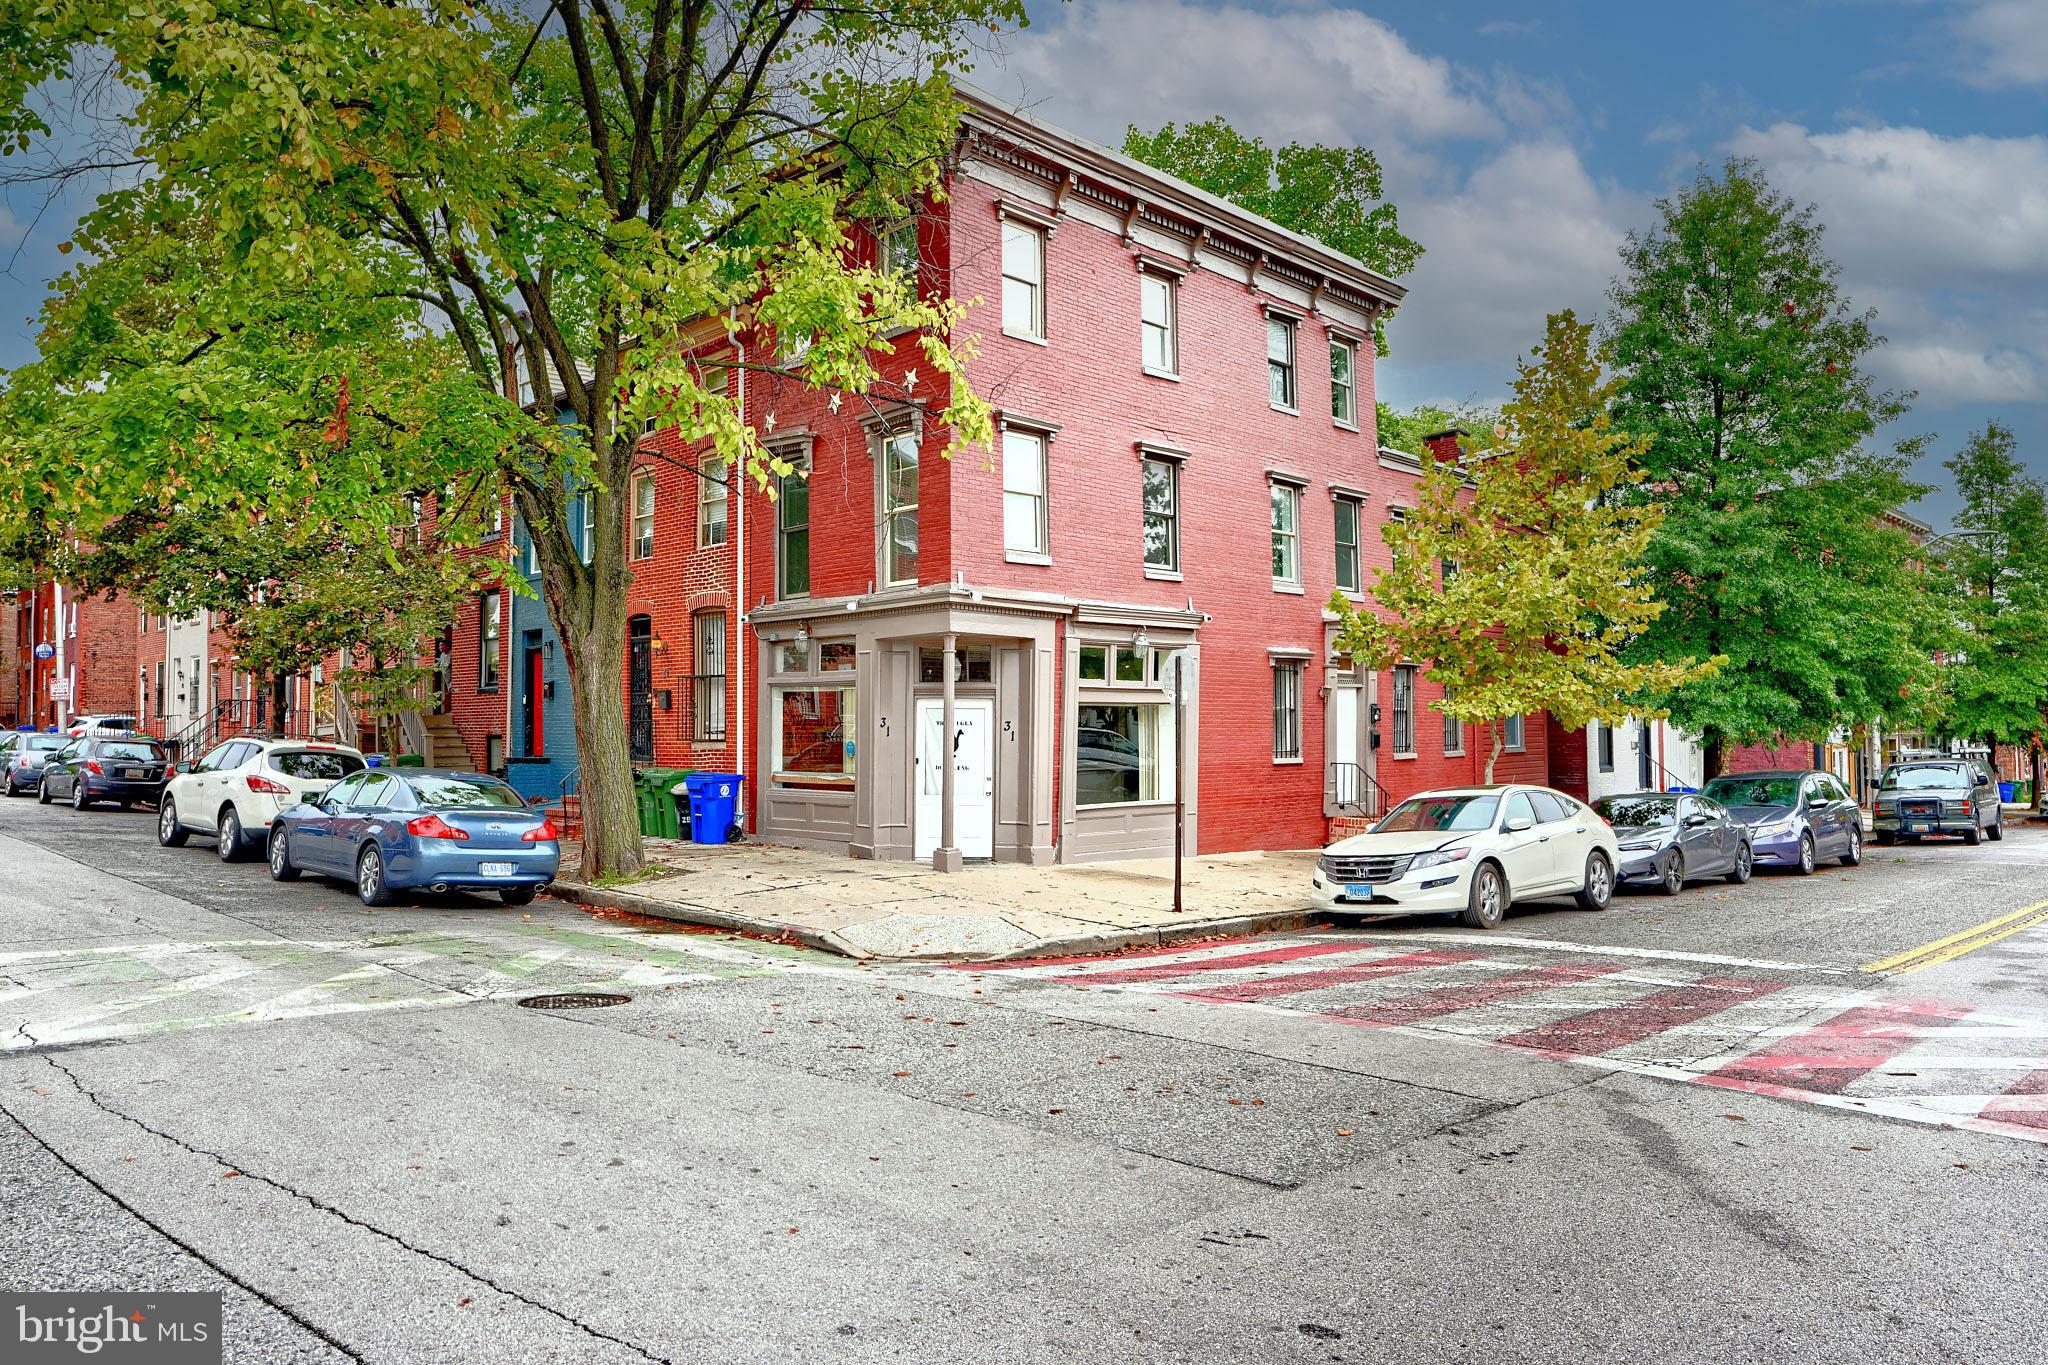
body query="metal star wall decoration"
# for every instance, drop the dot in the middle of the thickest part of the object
(833, 404)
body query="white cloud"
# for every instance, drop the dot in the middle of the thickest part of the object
(2004, 42)
(1946, 236)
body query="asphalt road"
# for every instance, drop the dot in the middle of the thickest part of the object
(1685, 1129)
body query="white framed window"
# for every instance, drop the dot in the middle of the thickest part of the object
(793, 532)
(643, 516)
(1158, 323)
(1404, 709)
(1286, 534)
(1162, 514)
(1513, 736)
(582, 512)
(1350, 514)
(1343, 382)
(1023, 279)
(899, 253)
(1025, 529)
(713, 501)
(487, 643)
(708, 691)
(1280, 362)
(899, 508)
(1286, 710)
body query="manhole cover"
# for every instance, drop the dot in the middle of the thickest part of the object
(573, 1000)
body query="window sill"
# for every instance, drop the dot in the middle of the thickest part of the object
(1164, 575)
(1522, 749)
(1407, 756)
(1026, 336)
(1282, 407)
(1025, 557)
(1294, 588)
(1161, 374)
(1287, 762)
(1356, 596)
(1343, 425)
(491, 689)
(1454, 753)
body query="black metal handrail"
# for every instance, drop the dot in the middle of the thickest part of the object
(1356, 791)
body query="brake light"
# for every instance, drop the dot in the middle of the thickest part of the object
(269, 786)
(170, 769)
(542, 833)
(92, 766)
(433, 827)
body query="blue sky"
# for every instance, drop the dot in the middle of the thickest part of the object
(1522, 140)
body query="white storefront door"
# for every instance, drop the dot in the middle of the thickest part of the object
(974, 776)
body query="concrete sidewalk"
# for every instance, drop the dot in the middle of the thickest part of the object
(894, 910)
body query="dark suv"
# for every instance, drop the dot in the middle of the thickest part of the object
(126, 769)
(1937, 796)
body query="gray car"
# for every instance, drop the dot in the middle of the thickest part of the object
(25, 759)
(1937, 796)
(1670, 838)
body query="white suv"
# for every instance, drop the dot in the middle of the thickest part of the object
(240, 787)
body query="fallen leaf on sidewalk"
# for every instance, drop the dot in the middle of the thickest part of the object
(1735, 1118)
(901, 1074)
(1343, 1132)
(231, 1175)
(462, 1303)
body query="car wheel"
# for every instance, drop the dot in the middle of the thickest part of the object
(169, 832)
(370, 878)
(79, 800)
(43, 797)
(1745, 864)
(1806, 860)
(517, 895)
(1996, 834)
(1598, 892)
(1854, 857)
(1488, 903)
(1886, 839)
(1973, 836)
(228, 844)
(281, 869)
(1674, 875)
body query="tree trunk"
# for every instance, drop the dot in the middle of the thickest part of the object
(1500, 740)
(1713, 753)
(611, 819)
(280, 692)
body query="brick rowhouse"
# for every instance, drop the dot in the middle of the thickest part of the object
(1185, 466)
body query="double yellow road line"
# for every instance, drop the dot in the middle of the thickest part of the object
(1968, 941)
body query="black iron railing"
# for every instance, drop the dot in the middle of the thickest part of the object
(1354, 791)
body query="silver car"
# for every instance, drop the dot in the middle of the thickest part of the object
(25, 759)
(1670, 838)
(1937, 796)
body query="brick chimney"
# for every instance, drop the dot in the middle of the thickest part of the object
(1444, 444)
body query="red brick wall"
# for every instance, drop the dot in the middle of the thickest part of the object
(1754, 758)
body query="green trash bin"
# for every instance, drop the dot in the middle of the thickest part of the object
(409, 761)
(657, 808)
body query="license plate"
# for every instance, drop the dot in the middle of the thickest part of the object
(497, 869)
(131, 772)
(1358, 892)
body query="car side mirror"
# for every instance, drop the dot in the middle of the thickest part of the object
(1695, 820)
(1517, 823)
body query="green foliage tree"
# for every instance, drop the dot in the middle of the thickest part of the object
(1522, 596)
(1996, 567)
(1333, 194)
(1742, 362)
(574, 187)
(1400, 430)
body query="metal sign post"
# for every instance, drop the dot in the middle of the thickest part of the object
(1178, 663)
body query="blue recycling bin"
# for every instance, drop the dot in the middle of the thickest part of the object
(714, 799)
(2005, 791)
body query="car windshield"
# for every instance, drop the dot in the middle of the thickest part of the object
(1440, 814)
(1637, 812)
(1757, 790)
(132, 752)
(458, 792)
(315, 765)
(1927, 778)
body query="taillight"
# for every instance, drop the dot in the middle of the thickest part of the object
(170, 769)
(269, 786)
(542, 833)
(433, 827)
(92, 766)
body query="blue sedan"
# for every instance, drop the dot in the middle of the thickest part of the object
(398, 829)
(1795, 819)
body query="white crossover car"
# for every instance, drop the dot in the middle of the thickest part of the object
(1472, 851)
(236, 790)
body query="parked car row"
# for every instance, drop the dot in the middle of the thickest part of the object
(307, 807)
(1473, 851)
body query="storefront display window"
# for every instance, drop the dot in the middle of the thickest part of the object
(1124, 753)
(814, 736)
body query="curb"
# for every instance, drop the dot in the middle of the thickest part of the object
(825, 941)
(1073, 945)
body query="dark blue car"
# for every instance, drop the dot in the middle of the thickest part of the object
(1795, 819)
(398, 829)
